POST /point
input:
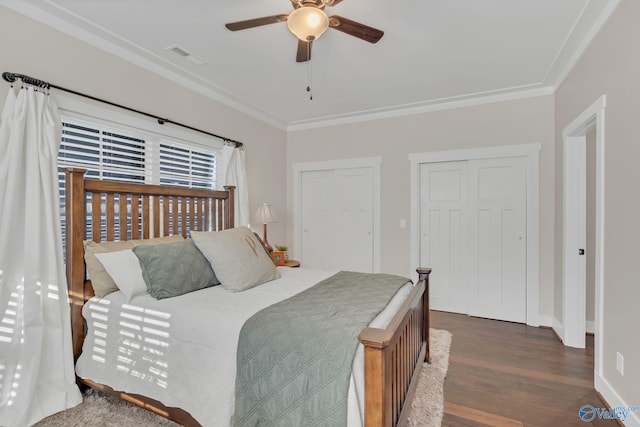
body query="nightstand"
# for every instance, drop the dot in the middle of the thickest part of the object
(291, 263)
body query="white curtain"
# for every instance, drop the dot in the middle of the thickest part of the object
(36, 360)
(233, 165)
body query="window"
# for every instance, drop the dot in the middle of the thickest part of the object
(104, 153)
(115, 152)
(184, 166)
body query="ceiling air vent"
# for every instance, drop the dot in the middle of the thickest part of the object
(179, 50)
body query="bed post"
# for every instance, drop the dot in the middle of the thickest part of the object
(229, 216)
(423, 276)
(75, 232)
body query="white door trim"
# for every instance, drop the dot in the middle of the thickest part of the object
(532, 153)
(363, 162)
(573, 321)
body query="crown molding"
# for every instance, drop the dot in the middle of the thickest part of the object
(176, 74)
(423, 107)
(594, 16)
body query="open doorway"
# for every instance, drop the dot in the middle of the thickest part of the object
(579, 228)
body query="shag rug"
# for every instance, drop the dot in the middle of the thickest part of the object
(100, 410)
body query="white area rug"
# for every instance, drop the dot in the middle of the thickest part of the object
(428, 404)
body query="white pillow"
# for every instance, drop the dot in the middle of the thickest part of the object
(124, 268)
(237, 257)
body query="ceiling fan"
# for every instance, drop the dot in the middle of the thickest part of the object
(308, 21)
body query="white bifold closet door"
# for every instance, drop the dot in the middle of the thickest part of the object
(473, 234)
(337, 219)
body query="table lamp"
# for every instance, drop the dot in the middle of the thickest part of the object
(265, 214)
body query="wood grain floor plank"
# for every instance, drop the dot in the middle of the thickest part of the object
(479, 417)
(501, 373)
(523, 372)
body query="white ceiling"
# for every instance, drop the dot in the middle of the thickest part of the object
(434, 53)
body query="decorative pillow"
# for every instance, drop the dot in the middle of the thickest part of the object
(124, 269)
(174, 269)
(237, 257)
(262, 243)
(102, 283)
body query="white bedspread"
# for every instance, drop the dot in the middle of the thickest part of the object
(182, 351)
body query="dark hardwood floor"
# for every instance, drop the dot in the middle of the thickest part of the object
(509, 374)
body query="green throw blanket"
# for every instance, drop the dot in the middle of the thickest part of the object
(294, 357)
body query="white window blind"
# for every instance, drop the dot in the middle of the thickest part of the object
(115, 152)
(105, 153)
(185, 166)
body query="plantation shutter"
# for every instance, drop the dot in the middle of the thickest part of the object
(186, 166)
(105, 152)
(113, 152)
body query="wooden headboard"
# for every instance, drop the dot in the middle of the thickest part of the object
(111, 210)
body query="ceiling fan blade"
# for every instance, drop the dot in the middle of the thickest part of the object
(304, 51)
(356, 29)
(257, 22)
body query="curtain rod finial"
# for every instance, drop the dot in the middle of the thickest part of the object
(10, 77)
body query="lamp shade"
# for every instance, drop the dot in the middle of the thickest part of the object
(265, 214)
(308, 23)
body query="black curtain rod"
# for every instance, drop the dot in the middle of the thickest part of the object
(11, 78)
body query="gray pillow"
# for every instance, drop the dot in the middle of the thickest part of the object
(174, 269)
(103, 284)
(237, 256)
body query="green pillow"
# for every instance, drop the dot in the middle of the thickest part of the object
(174, 269)
(103, 284)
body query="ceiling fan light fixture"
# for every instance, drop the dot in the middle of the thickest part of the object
(308, 23)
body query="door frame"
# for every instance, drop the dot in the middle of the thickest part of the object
(532, 154)
(572, 330)
(363, 162)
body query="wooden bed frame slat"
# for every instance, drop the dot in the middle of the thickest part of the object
(135, 217)
(156, 216)
(393, 356)
(122, 216)
(110, 217)
(145, 216)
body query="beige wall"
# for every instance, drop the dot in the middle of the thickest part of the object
(37, 50)
(611, 66)
(506, 123)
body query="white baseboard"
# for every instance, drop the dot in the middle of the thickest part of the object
(558, 328)
(614, 400)
(545, 320)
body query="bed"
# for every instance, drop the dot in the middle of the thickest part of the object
(393, 347)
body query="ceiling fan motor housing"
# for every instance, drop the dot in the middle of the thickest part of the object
(319, 4)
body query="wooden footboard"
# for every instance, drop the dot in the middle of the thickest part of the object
(393, 358)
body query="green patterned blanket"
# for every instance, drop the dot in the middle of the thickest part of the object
(294, 357)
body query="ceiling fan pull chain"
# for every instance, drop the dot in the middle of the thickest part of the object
(309, 72)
